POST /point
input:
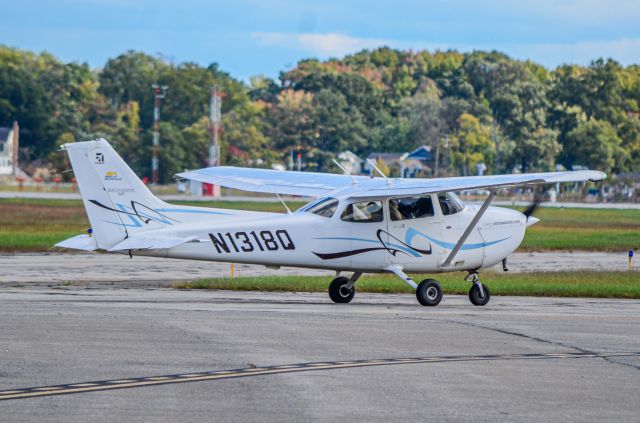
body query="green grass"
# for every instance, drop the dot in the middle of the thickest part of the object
(30, 225)
(37, 224)
(39, 202)
(584, 229)
(275, 207)
(557, 284)
(571, 238)
(32, 241)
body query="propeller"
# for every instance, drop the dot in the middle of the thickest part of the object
(528, 212)
(531, 208)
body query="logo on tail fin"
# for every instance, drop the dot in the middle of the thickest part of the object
(99, 158)
(112, 176)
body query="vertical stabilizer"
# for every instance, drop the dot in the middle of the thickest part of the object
(118, 204)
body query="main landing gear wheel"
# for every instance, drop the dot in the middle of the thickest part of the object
(339, 291)
(429, 293)
(479, 298)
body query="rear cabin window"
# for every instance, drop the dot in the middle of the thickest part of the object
(410, 208)
(325, 207)
(450, 203)
(363, 212)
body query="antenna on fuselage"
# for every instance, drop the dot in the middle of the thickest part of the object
(346, 172)
(389, 182)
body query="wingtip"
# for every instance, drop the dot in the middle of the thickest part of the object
(601, 176)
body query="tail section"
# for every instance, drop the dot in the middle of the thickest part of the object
(118, 204)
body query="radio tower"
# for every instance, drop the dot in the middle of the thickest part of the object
(215, 115)
(159, 93)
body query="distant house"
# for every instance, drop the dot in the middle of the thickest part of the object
(389, 159)
(421, 153)
(9, 142)
(409, 164)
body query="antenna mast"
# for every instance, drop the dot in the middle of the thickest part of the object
(215, 114)
(160, 92)
(215, 117)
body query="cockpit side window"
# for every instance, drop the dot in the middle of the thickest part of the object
(410, 208)
(363, 212)
(450, 203)
(325, 207)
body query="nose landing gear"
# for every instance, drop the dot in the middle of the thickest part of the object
(479, 293)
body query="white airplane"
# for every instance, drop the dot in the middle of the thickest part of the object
(356, 224)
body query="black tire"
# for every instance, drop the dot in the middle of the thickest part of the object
(429, 293)
(339, 293)
(476, 299)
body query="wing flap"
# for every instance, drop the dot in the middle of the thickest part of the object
(270, 181)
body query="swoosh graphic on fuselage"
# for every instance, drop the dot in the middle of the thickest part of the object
(405, 247)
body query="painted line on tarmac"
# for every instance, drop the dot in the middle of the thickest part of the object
(138, 382)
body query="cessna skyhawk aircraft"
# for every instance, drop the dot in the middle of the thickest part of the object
(356, 224)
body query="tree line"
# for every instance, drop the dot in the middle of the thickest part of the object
(509, 114)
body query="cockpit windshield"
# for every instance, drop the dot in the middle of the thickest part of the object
(324, 207)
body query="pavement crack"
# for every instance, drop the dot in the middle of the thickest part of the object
(546, 341)
(530, 337)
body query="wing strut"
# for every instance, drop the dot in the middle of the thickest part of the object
(467, 232)
(346, 172)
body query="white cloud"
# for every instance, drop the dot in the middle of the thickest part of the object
(626, 51)
(330, 44)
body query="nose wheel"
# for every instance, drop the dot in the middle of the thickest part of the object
(479, 294)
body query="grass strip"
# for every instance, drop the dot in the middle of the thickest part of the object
(541, 284)
(37, 224)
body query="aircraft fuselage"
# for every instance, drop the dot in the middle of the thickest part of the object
(307, 240)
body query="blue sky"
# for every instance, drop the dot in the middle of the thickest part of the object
(249, 37)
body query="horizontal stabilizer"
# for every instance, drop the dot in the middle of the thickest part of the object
(149, 243)
(79, 242)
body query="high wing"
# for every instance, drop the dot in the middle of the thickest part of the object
(321, 184)
(310, 184)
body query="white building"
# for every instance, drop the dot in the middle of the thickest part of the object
(9, 149)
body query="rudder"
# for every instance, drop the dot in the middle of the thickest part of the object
(117, 202)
